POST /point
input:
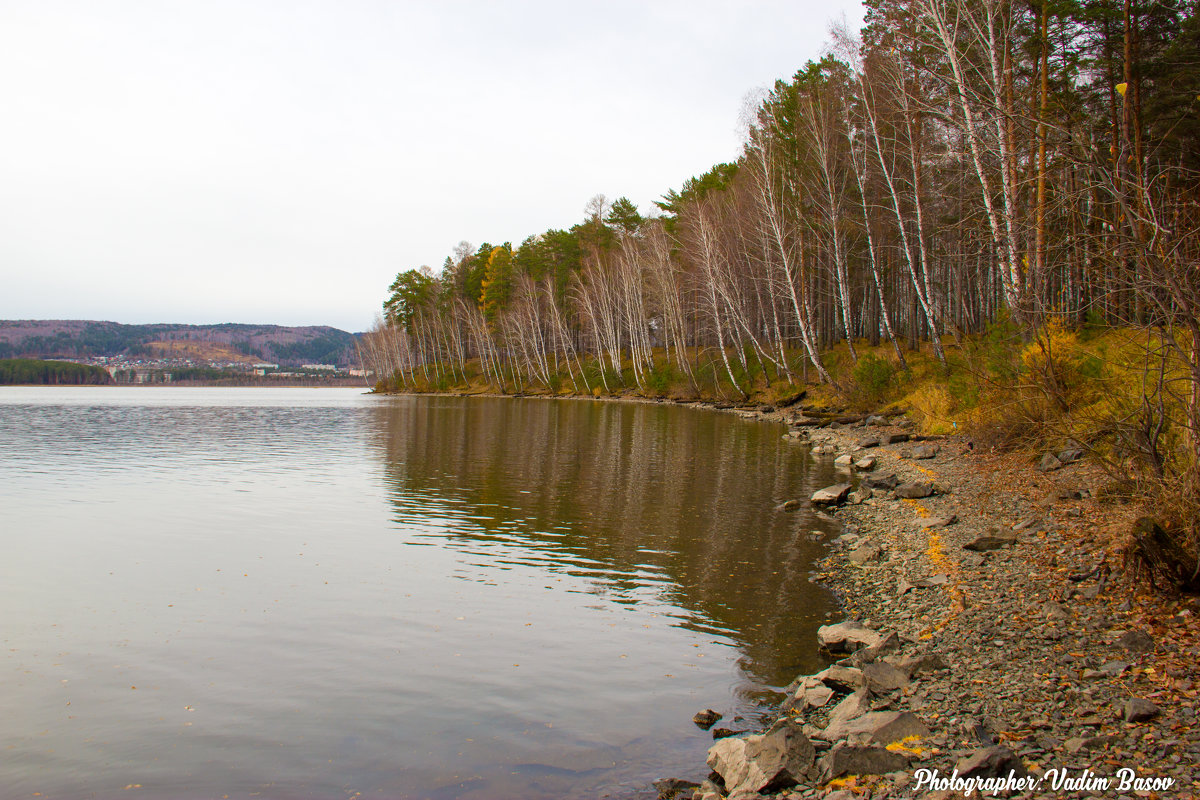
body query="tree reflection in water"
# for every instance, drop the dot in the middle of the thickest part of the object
(647, 502)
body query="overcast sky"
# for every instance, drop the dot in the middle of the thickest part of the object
(256, 161)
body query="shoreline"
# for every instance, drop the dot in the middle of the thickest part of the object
(988, 629)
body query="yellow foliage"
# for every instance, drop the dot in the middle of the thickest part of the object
(1053, 342)
(932, 408)
(909, 745)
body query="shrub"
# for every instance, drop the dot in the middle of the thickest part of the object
(659, 379)
(874, 378)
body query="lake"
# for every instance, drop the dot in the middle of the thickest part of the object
(320, 593)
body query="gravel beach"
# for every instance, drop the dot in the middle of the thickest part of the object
(991, 636)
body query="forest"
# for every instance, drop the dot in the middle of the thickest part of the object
(51, 373)
(983, 210)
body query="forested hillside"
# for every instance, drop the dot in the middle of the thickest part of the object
(86, 338)
(1004, 191)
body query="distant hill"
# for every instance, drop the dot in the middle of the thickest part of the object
(230, 341)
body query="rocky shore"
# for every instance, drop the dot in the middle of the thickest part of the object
(991, 637)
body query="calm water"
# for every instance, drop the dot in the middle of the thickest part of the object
(295, 593)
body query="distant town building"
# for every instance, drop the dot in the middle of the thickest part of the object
(324, 367)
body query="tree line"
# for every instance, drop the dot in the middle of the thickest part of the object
(55, 373)
(954, 166)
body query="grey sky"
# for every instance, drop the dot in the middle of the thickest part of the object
(255, 161)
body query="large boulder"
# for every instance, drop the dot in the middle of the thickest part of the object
(845, 759)
(841, 679)
(846, 637)
(843, 715)
(766, 762)
(831, 495)
(882, 677)
(885, 727)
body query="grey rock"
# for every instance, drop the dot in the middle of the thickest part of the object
(990, 762)
(1113, 669)
(1049, 463)
(777, 759)
(842, 679)
(708, 791)
(1055, 611)
(883, 677)
(1028, 522)
(1070, 454)
(937, 522)
(844, 460)
(924, 451)
(889, 644)
(885, 727)
(914, 490)
(1136, 641)
(865, 554)
(831, 495)
(896, 438)
(1074, 744)
(841, 794)
(1078, 743)
(991, 541)
(884, 482)
(876, 421)
(1140, 710)
(860, 494)
(868, 443)
(706, 718)
(790, 505)
(845, 759)
(844, 714)
(865, 464)
(972, 559)
(940, 579)
(816, 697)
(846, 637)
